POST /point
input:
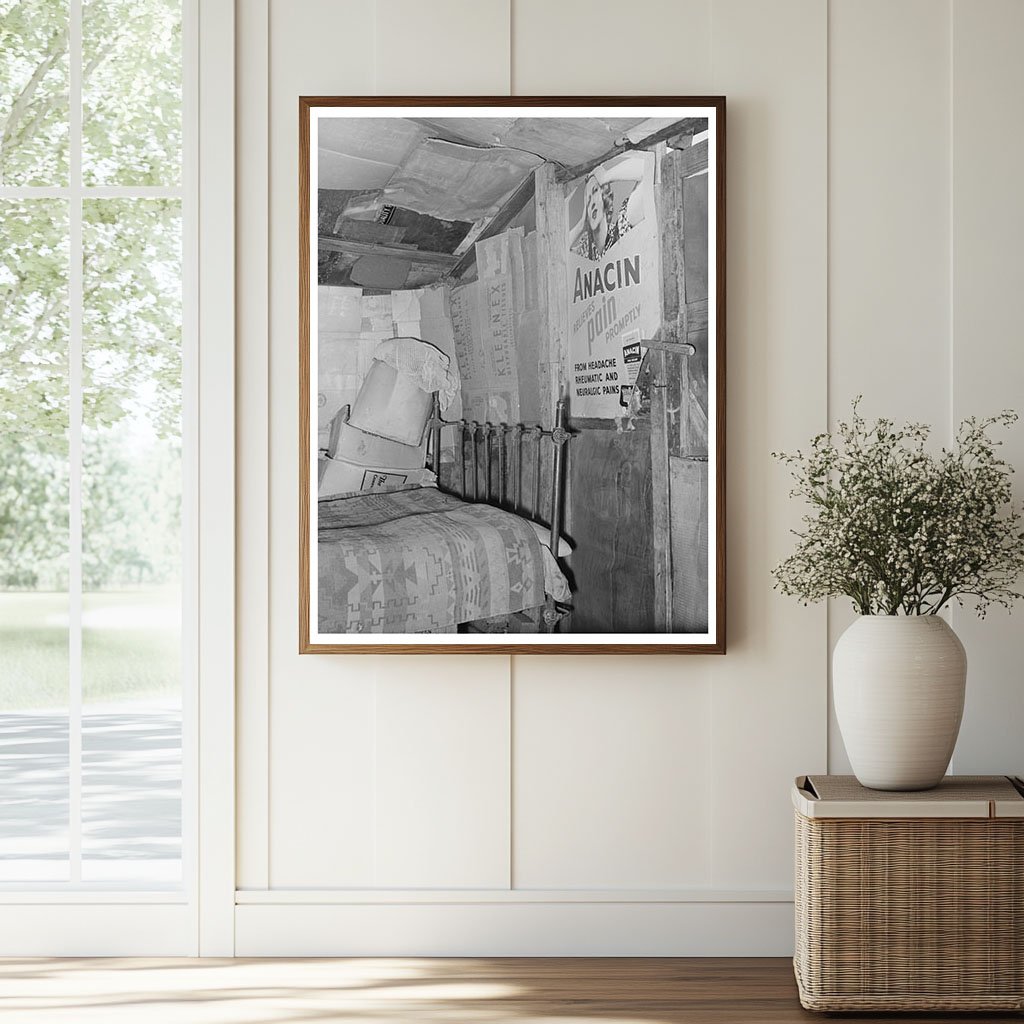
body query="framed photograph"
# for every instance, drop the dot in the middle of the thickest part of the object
(512, 375)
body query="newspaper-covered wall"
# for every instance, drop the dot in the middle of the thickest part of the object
(495, 322)
(352, 324)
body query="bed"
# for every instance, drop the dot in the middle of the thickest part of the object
(468, 555)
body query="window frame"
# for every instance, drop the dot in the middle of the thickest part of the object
(75, 918)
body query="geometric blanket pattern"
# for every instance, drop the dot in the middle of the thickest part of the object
(419, 561)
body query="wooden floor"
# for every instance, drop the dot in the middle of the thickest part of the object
(384, 991)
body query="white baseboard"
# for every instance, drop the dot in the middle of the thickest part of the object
(334, 897)
(513, 928)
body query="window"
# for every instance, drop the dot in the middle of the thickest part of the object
(95, 464)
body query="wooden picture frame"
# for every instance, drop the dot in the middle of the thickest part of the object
(637, 417)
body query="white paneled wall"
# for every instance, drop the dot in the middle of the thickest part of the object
(925, 222)
(612, 775)
(889, 191)
(986, 368)
(434, 48)
(768, 693)
(579, 48)
(614, 804)
(442, 798)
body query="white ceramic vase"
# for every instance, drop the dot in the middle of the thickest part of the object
(898, 685)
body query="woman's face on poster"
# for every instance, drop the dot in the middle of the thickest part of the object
(593, 203)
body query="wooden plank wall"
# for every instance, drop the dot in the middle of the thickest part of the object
(637, 502)
(609, 520)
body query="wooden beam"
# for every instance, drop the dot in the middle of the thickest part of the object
(661, 479)
(694, 159)
(688, 125)
(501, 220)
(442, 260)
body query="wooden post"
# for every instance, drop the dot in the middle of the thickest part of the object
(552, 260)
(661, 478)
(683, 453)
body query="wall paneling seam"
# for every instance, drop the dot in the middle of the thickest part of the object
(252, 388)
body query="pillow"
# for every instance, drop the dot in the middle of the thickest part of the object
(544, 536)
(339, 478)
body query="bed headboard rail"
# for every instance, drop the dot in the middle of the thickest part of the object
(493, 464)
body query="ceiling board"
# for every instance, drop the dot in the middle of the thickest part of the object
(454, 182)
(387, 140)
(456, 169)
(562, 139)
(339, 171)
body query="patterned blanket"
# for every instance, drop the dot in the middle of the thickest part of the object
(421, 561)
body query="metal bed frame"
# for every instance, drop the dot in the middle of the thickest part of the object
(474, 475)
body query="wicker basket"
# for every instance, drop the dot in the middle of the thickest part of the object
(910, 901)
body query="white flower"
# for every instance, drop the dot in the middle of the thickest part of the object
(899, 529)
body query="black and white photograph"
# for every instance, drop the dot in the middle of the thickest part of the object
(511, 395)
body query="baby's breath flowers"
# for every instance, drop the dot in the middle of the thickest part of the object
(898, 529)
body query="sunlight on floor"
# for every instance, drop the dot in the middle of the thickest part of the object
(142, 991)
